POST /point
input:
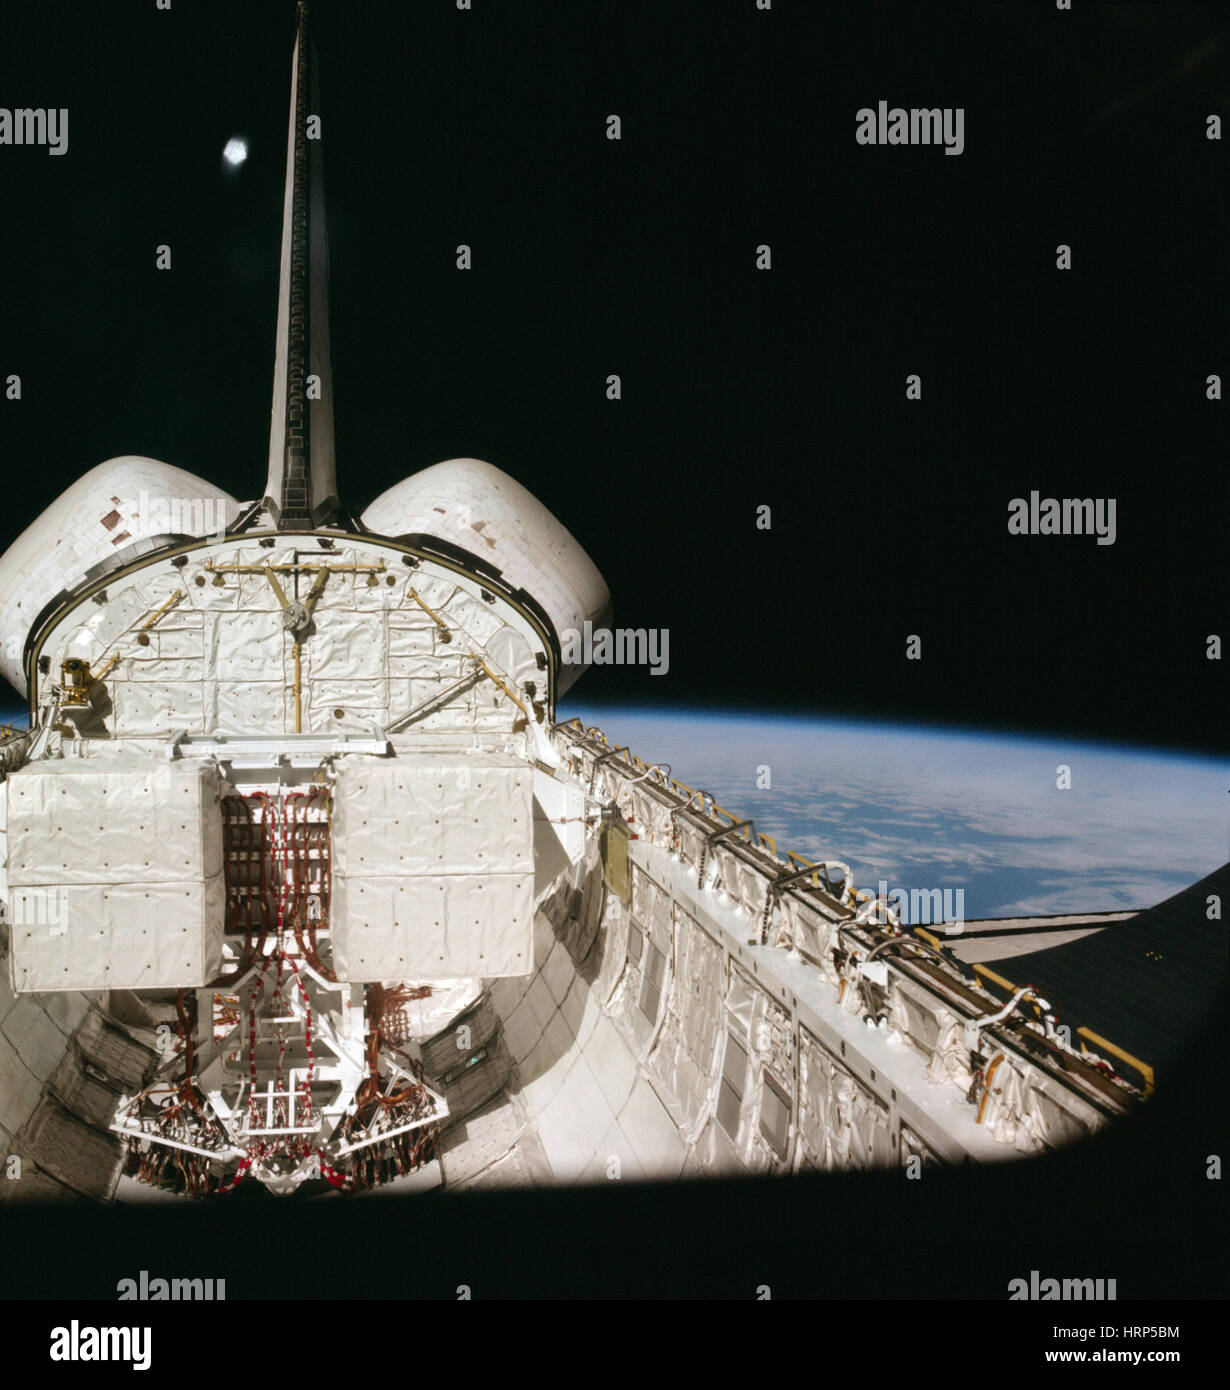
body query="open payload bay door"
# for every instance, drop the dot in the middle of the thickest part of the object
(433, 867)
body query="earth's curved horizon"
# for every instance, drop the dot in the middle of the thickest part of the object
(922, 807)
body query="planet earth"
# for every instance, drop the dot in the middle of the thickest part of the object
(921, 808)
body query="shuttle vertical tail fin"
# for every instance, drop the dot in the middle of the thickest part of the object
(301, 491)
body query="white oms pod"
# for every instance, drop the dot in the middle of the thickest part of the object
(115, 505)
(480, 508)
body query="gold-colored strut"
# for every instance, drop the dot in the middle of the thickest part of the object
(212, 568)
(500, 683)
(446, 635)
(433, 615)
(298, 688)
(151, 621)
(278, 592)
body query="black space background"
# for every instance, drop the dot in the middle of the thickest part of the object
(740, 388)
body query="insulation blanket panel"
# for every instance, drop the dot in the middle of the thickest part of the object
(433, 867)
(115, 876)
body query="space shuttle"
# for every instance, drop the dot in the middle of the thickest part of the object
(304, 885)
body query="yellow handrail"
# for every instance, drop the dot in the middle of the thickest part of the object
(1142, 1067)
(980, 969)
(1029, 998)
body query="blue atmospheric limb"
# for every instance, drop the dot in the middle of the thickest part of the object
(926, 808)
